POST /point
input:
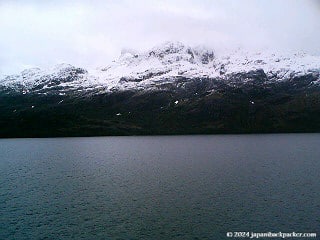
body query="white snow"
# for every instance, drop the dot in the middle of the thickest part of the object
(165, 62)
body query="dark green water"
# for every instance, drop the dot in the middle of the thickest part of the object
(180, 187)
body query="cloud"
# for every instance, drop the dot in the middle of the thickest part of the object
(92, 33)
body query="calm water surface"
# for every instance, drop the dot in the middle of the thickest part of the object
(177, 187)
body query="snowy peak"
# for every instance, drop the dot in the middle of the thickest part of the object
(176, 51)
(174, 59)
(167, 60)
(167, 49)
(165, 63)
(168, 53)
(35, 78)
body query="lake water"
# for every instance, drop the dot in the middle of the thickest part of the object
(159, 187)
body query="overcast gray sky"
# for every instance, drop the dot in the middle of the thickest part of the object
(92, 33)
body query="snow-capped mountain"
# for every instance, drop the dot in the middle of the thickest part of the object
(170, 89)
(163, 65)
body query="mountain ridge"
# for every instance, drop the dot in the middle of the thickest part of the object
(170, 89)
(161, 64)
